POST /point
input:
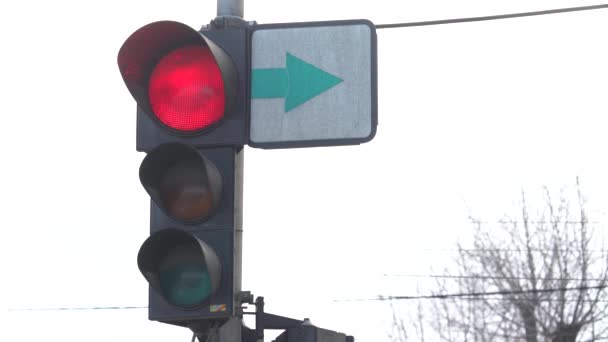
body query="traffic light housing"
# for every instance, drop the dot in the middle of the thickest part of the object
(190, 89)
(192, 258)
(190, 86)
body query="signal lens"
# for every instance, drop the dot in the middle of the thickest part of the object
(186, 89)
(185, 191)
(183, 276)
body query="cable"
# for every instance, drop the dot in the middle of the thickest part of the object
(603, 250)
(492, 17)
(82, 308)
(476, 294)
(534, 222)
(486, 277)
(541, 300)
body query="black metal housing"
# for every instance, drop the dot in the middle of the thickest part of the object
(230, 47)
(156, 247)
(221, 232)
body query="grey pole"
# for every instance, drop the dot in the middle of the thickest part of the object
(230, 8)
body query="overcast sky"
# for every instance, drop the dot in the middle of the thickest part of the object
(469, 114)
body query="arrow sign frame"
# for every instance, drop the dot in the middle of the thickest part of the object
(313, 84)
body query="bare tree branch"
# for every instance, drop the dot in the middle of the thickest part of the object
(524, 260)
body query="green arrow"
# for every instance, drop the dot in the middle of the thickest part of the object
(297, 83)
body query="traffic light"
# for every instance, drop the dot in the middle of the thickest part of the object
(190, 89)
(201, 96)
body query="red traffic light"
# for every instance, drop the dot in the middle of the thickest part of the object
(186, 89)
(181, 79)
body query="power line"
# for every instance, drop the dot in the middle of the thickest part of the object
(347, 300)
(540, 299)
(602, 250)
(476, 294)
(486, 277)
(507, 221)
(82, 308)
(492, 17)
(523, 338)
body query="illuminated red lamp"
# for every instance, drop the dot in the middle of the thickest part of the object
(186, 89)
(178, 77)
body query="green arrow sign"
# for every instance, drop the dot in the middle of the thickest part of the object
(297, 83)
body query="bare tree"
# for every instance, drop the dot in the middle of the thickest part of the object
(538, 277)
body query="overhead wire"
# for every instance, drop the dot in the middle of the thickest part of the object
(539, 299)
(462, 295)
(602, 250)
(475, 294)
(488, 277)
(80, 308)
(492, 17)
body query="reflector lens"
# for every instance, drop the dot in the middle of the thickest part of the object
(185, 191)
(186, 89)
(183, 276)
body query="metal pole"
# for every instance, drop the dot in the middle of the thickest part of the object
(238, 224)
(230, 8)
(231, 331)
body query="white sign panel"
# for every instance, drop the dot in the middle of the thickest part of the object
(313, 84)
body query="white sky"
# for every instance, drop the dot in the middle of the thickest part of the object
(468, 114)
